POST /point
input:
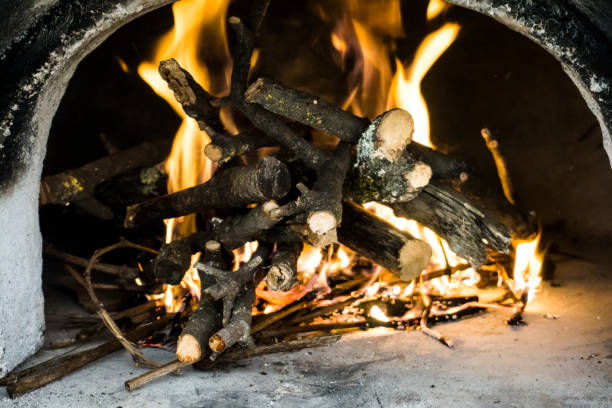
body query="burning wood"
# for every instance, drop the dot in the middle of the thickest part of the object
(373, 161)
(233, 188)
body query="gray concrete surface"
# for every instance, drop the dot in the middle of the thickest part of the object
(549, 363)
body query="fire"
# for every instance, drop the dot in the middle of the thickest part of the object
(199, 26)
(363, 39)
(527, 266)
(405, 90)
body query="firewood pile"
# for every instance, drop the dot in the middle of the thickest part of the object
(300, 194)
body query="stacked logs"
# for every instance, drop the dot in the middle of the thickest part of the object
(304, 195)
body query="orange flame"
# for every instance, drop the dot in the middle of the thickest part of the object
(527, 267)
(199, 26)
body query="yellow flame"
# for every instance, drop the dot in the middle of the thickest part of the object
(377, 313)
(435, 8)
(406, 85)
(199, 26)
(527, 267)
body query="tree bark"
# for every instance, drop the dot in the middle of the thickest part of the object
(231, 188)
(467, 229)
(381, 242)
(206, 319)
(79, 184)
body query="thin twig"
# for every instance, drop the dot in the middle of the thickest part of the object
(108, 321)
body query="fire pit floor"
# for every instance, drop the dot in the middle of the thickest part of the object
(565, 361)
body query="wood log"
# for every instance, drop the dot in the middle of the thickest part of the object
(225, 147)
(236, 230)
(133, 187)
(376, 239)
(238, 330)
(194, 99)
(320, 209)
(47, 372)
(467, 229)
(313, 111)
(229, 284)
(282, 275)
(231, 188)
(206, 319)
(306, 109)
(383, 171)
(174, 258)
(79, 184)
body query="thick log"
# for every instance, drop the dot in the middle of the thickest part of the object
(282, 275)
(79, 184)
(57, 368)
(467, 229)
(383, 170)
(206, 319)
(231, 188)
(381, 242)
(194, 99)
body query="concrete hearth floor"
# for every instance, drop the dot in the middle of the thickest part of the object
(549, 363)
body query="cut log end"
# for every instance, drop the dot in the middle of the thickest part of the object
(274, 179)
(212, 246)
(393, 134)
(188, 349)
(413, 258)
(419, 176)
(281, 278)
(217, 344)
(321, 222)
(213, 152)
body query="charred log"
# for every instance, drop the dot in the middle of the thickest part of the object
(225, 147)
(282, 275)
(235, 230)
(194, 99)
(467, 229)
(79, 184)
(174, 258)
(306, 109)
(383, 171)
(206, 319)
(232, 188)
